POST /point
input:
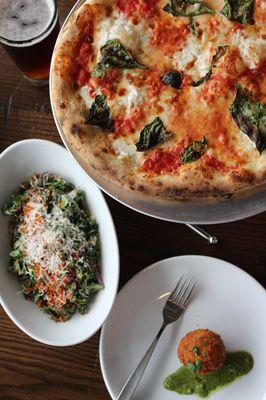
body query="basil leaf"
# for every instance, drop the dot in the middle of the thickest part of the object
(218, 54)
(250, 117)
(99, 114)
(193, 27)
(194, 151)
(114, 55)
(152, 134)
(204, 78)
(239, 10)
(187, 8)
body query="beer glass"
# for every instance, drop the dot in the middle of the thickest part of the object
(28, 31)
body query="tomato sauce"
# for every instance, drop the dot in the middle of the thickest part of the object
(82, 77)
(237, 27)
(186, 80)
(213, 25)
(108, 83)
(84, 54)
(154, 85)
(163, 161)
(215, 87)
(213, 162)
(169, 38)
(124, 125)
(150, 80)
(168, 161)
(132, 7)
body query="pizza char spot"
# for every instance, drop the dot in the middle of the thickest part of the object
(74, 129)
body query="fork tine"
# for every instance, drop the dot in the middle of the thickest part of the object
(185, 290)
(181, 291)
(177, 289)
(187, 294)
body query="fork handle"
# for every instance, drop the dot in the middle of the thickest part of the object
(133, 381)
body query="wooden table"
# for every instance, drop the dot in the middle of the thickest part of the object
(32, 371)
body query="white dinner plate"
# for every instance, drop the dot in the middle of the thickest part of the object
(17, 164)
(226, 300)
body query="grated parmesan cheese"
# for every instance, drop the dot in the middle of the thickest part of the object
(46, 238)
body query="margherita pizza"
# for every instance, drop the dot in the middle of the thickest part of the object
(166, 97)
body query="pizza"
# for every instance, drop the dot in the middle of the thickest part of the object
(166, 97)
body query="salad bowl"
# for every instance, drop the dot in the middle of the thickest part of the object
(17, 164)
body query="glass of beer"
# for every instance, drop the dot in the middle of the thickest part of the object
(28, 31)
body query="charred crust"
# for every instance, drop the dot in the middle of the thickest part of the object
(74, 129)
(227, 196)
(141, 188)
(75, 86)
(242, 176)
(159, 184)
(131, 184)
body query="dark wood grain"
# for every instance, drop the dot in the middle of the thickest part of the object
(31, 371)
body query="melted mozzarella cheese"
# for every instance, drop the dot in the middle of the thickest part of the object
(124, 149)
(133, 37)
(85, 95)
(252, 49)
(133, 98)
(194, 58)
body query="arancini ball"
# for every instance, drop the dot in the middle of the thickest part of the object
(202, 351)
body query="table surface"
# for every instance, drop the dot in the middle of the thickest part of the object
(32, 371)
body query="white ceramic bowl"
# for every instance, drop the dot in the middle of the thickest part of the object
(17, 163)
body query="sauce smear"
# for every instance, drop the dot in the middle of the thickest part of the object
(185, 382)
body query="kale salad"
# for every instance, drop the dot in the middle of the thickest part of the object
(55, 246)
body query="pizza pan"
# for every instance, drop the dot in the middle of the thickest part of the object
(203, 211)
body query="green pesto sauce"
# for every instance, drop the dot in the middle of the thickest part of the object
(185, 382)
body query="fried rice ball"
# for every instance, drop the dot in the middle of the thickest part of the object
(202, 351)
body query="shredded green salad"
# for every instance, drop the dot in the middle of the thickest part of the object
(55, 246)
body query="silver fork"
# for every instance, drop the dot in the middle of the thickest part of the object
(174, 307)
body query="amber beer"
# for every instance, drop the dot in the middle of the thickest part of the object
(28, 31)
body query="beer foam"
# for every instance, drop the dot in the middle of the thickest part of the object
(25, 20)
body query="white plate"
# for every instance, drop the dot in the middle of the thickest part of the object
(17, 163)
(226, 300)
